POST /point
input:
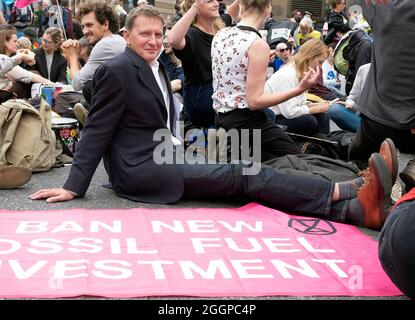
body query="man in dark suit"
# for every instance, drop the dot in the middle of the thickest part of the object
(132, 102)
(49, 61)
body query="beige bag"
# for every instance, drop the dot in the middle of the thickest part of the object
(26, 136)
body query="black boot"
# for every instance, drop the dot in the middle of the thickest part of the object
(408, 175)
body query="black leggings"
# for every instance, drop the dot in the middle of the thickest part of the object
(274, 141)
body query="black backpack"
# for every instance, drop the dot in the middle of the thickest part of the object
(65, 101)
(344, 139)
(22, 18)
(279, 31)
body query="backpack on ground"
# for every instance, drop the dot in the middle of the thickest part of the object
(26, 136)
(65, 101)
(344, 140)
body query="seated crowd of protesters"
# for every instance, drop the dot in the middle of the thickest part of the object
(213, 85)
(218, 64)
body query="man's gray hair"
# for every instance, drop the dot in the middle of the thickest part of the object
(145, 10)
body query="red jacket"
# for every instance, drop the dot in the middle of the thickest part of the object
(407, 197)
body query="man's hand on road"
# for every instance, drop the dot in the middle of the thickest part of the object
(53, 195)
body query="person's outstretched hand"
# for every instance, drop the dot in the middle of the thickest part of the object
(310, 78)
(53, 195)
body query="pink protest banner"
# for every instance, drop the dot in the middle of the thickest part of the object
(23, 3)
(250, 251)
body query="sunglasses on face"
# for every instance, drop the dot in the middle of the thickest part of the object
(283, 50)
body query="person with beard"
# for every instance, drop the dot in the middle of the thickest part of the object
(100, 27)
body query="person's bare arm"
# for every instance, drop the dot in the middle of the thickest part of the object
(233, 10)
(258, 55)
(71, 50)
(176, 36)
(320, 107)
(37, 78)
(2, 19)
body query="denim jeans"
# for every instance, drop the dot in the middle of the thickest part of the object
(397, 247)
(307, 125)
(296, 194)
(198, 104)
(345, 118)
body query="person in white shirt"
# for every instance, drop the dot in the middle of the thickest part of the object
(296, 113)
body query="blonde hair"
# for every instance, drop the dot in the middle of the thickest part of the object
(187, 4)
(24, 43)
(310, 50)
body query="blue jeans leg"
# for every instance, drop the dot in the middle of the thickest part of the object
(306, 124)
(198, 105)
(346, 119)
(290, 193)
(323, 120)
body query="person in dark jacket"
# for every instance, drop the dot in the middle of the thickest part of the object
(49, 61)
(388, 98)
(358, 52)
(337, 21)
(396, 245)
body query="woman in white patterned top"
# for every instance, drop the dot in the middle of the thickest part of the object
(10, 58)
(239, 64)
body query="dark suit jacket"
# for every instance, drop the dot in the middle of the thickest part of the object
(58, 69)
(127, 108)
